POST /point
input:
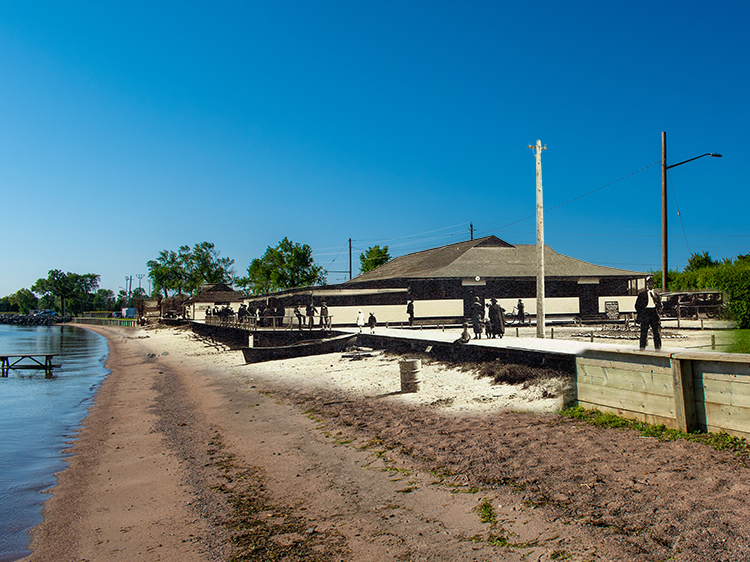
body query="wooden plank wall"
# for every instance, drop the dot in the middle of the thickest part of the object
(722, 396)
(686, 390)
(627, 384)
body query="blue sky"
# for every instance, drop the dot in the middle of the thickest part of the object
(129, 128)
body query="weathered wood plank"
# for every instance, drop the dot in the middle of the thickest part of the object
(684, 397)
(639, 416)
(635, 401)
(723, 417)
(722, 371)
(624, 365)
(722, 392)
(716, 355)
(653, 383)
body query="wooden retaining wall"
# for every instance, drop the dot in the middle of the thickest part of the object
(685, 390)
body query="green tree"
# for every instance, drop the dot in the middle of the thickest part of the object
(25, 300)
(187, 269)
(286, 266)
(203, 265)
(104, 299)
(699, 261)
(6, 305)
(57, 284)
(48, 302)
(373, 257)
(122, 300)
(83, 289)
(167, 272)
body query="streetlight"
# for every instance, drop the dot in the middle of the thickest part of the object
(664, 169)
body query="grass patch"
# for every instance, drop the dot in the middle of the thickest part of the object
(741, 343)
(498, 540)
(721, 441)
(487, 512)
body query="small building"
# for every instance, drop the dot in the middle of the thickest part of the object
(210, 296)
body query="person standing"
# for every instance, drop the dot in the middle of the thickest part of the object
(298, 314)
(410, 311)
(310, 311)
(497, 319)
(521, 312)
(324, 316)
(648, 309)
(360, 320)
(372, 322)
(477, 318)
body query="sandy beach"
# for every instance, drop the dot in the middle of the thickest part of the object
(189, 454)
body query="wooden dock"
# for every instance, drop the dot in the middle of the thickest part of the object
(37, 361)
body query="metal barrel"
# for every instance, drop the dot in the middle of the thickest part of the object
(411, 375)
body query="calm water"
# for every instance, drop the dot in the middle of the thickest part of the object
(39, 417)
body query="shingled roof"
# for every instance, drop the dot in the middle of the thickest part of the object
(486, 257)
(218, 292)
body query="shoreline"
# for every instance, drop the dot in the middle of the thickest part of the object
(190, 454)
(98, 499)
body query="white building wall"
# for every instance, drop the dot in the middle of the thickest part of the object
(552, 305)
(396, 313)
(626, 303)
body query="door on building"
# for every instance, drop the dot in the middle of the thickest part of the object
(588, 299)
(469, 297)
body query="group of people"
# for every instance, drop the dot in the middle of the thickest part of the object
(309, 316)
(272, 315)
(224, 312)
(491, 321)
(371, 321)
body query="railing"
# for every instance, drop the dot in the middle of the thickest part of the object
(273, 322)
(127, 322)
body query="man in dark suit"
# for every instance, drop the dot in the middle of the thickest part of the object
(648, 308)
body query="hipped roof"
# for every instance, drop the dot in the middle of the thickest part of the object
(218, 292)
(487, 257)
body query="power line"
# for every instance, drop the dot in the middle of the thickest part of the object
(575, 198)
(411, 235)
(679, 215)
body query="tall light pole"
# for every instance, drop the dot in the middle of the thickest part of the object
(539, 240)
(664, 168)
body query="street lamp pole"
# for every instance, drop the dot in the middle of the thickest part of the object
(664, 168)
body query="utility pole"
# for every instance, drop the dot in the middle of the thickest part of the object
(471, 231)
(664, 260)
(539, 240)
(350, 259)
